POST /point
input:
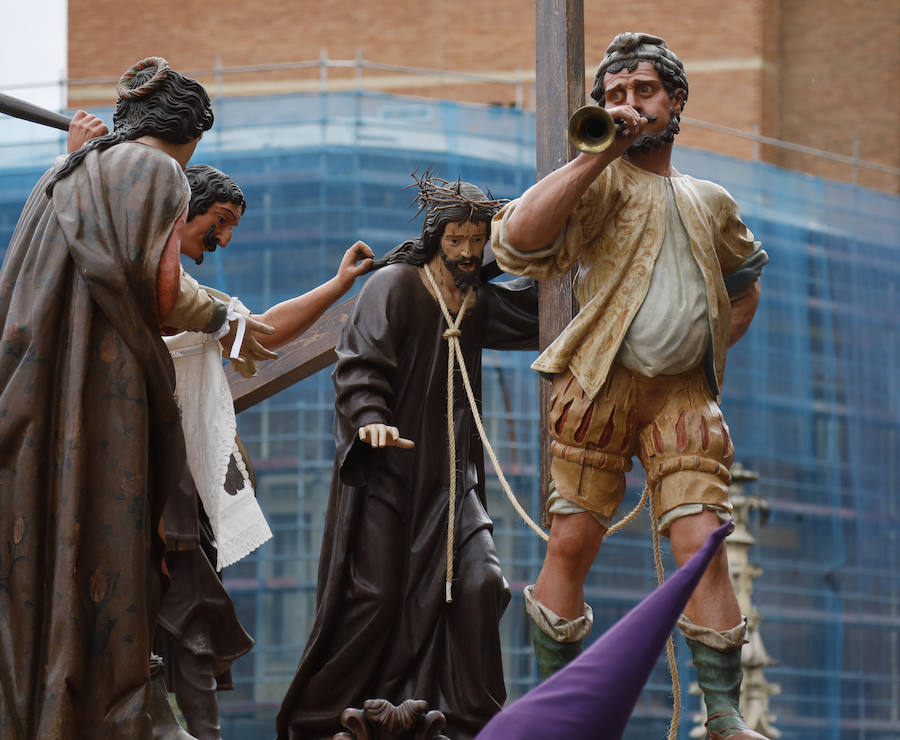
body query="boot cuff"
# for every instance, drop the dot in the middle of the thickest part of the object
(728, 640)
(555, 626)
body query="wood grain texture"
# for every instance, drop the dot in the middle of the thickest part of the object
(560, 91)
(310, 352)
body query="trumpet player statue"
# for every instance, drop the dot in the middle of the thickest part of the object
(668, 279)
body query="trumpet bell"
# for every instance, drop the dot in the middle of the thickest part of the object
(591, 129)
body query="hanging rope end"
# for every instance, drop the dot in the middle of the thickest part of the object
(447, 595)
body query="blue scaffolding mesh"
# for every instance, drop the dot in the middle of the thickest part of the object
(811, 396)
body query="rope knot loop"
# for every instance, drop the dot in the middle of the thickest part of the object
(150, 86)
(452, 332)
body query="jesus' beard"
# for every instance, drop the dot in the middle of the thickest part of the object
(463, 278)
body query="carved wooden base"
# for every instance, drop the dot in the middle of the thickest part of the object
(382, 720)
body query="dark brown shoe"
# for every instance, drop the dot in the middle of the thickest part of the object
(195, 690)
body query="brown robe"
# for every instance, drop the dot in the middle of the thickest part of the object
(197, 612)
(382, 627)
(90, 441)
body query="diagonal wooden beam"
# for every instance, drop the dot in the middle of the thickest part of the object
(18, 108)
(307, 354)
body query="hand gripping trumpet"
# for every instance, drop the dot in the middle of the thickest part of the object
(592, 129)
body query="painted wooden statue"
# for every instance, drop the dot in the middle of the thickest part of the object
(667, 281)
(384, 627)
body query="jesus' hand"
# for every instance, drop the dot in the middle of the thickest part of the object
(381, 435)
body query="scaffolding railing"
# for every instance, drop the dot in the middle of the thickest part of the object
(327, 74)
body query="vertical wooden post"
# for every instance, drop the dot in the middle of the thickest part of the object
(559, 73)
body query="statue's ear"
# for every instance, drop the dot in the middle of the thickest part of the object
(678, 101)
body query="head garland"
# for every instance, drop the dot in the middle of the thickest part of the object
(628, 49)
(154, 100)
(161, 71)
(443, 202)
(210, 186)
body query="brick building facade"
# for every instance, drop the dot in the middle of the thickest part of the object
(812, 395)
(819, 74)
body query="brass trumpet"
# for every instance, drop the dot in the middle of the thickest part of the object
(591, 129)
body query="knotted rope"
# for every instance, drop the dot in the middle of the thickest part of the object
(660, 577)
(670, 642)
(454, 354)
(452, 335)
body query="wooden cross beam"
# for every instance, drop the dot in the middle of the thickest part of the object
(559, 75)
(307, 354)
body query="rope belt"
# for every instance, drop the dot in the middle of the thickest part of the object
(454, 354)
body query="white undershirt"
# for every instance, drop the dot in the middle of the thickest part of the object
(670, 332)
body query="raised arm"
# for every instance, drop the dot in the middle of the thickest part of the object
(294, 316)
(543, 209)
(84, 127)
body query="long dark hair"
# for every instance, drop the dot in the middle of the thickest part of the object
(444, 203)
(154, 100)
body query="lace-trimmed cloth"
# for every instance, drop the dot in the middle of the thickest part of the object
(220, 472)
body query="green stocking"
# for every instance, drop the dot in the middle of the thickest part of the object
(719, 674)
(552, 655)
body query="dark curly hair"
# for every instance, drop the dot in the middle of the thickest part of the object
(209, 186)
(627, 50)
(172, 107)
(444, 203)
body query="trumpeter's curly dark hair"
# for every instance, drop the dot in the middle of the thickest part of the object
(154, 100)
(628, 49)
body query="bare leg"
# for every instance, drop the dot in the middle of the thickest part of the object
(713, 606)
(574, 542)
(713, 603)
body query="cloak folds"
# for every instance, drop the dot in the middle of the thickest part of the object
(382, 627)
(90, 439)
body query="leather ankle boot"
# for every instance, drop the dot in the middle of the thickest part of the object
(719, 675)
(195, 690)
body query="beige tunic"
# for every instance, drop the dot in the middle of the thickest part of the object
(614, 236)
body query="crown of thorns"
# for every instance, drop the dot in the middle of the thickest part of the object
(150, 86)
(437, 194)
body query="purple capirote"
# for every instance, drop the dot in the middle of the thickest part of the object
(594, 695)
